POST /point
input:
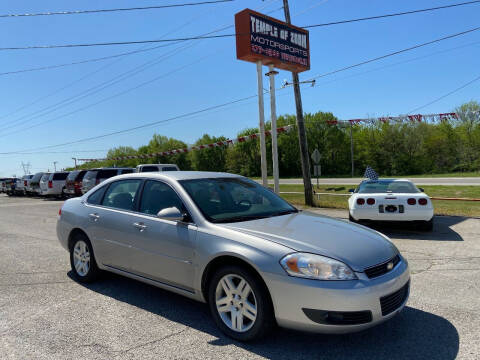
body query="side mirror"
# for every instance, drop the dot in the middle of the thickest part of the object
(421, 189)
(351, 190)
(171, 213)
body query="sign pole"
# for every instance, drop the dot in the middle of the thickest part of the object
(351, 149)
(302, 136)
(273, 111)
(261, 113)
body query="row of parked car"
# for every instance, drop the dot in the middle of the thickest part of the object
(62, 184)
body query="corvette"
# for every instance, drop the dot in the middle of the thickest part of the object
(390, 200)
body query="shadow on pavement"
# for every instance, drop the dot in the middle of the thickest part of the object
(442, 230)
(412, 334)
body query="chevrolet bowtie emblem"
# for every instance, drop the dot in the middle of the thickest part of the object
(390, 265)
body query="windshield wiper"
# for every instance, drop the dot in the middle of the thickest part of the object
(241, 218)
(286, 212)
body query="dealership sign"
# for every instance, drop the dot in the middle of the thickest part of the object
(271, 41)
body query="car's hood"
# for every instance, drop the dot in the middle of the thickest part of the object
(356, 245)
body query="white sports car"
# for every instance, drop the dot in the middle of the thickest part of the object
(390, 200)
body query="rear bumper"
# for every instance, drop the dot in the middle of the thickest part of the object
(48, 192)
(299, 302)
(372, 213)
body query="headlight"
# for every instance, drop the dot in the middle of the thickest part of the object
(316, 267)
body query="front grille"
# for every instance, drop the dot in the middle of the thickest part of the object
(338, 317)
(392, 302)
(380, 269)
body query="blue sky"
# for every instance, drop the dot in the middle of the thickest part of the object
(207, 73)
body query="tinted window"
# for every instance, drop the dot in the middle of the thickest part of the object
(126, 171)
(81, 175)
(105, 174)
(149, 168)
(37, 177)
(169, 168)
(90, 175)
(73, 175)
(45, 177)
(96, 197)
(383, 186)
(60, 176)
(121, 194)
(157, 196)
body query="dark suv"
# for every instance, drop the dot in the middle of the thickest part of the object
(73, 186)
(96, 176)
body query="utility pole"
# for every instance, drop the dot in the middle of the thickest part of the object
(273, 111)
(75, 159)
(55, 166)
(261, 113)
(351, 147)
(302, 136)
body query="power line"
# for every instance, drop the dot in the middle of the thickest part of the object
(444, 96)
(113, 43)
(78, 12)
(136, 127)
(49, 67)
(104, 85)
(117, 43)
(395, 53)
(235, 101)
(391, 15)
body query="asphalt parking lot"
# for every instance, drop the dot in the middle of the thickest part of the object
(44, 314)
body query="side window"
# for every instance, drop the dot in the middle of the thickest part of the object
(96, 197)
(121, 194)
(126, 171)
(149, 169)
(158, 196)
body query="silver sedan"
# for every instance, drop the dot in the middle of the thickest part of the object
(225, 240)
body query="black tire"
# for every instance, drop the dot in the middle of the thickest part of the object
(351, 218)
(93, 270)
(265, 319)
(427, 225)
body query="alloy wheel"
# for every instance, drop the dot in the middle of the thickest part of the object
(236, 303)
(81, 258)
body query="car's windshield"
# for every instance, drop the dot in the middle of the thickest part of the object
(235, 199)
(383, 186)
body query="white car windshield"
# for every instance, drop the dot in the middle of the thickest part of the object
(384, 186)
(224, 200)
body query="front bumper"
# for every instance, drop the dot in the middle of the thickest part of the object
(291, 295)
(410, 214)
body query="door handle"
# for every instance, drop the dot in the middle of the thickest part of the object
(140, 226)
(94, 217)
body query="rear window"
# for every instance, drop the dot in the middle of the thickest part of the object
(169, 168)
(373, 187)
(105, 174)
(126, 171)
(60, 176)
(37, 177)
(80, 175)
(149, 169)
(73, 175)
(91, 174)
(45, 177)
(96, 197)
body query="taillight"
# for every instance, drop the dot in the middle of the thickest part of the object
(60, 212)
(360, 201)
(422, 201)
(50, 184)
(24, 182)
(411, 201)
(370, 201)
